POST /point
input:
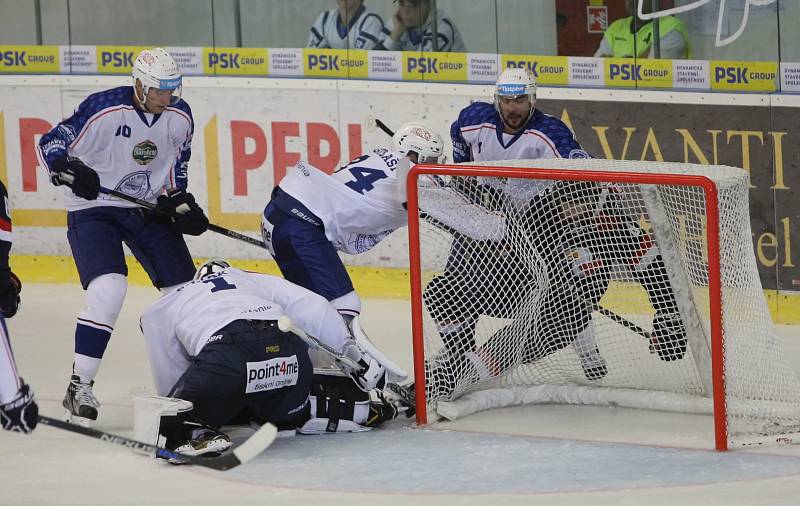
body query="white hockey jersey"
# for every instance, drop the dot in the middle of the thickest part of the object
(421, 38)
(134, 152)
(477, 135)
(364, 201)
(178, 325)
(359, 204)
(363, 32)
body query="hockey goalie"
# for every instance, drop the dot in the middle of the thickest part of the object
(544, 278)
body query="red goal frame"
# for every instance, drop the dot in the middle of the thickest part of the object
(714, 277)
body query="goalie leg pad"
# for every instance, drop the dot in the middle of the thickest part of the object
(154, 416)
(337, 405)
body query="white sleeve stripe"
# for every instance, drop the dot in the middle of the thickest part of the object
(94, 118)
(547, 140)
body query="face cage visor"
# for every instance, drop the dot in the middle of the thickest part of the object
(174, 84)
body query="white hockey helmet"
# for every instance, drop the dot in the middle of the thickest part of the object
(417, 138)
(515, 82)
(155, 68)
(213, 266)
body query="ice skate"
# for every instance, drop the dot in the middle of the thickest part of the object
(80, 402)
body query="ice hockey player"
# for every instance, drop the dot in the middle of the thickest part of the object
(18, 409)
(312, 215)
(511, 128)
(215, 343)
(137, 140)
(580, 235)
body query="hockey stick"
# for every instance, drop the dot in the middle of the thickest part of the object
(286, 325)
(242, 453)
(380, 124)
(214, 228)
(149, 205)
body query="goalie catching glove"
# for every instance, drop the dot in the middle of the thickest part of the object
(187, 217)
(82, 179)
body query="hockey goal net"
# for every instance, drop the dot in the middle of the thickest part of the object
(594, 282)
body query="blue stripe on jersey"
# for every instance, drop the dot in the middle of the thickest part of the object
(182, 163)
(555, 130)
(473, 115)
(366, 18)
(343, 30)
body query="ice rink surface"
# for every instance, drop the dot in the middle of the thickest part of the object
(523, 455)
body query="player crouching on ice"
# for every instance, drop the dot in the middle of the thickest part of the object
(217, 352)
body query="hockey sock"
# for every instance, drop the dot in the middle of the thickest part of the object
(104, 297)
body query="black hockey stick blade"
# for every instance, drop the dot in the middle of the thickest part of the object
(624, 322)
(214, 228)
(380, 124)
(229, 459)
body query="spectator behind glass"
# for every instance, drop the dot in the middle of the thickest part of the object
(350, 26)
(411, 29)
(633, 37)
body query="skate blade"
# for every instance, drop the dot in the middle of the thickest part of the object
(78, 420)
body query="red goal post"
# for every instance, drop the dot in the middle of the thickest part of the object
(648, 180)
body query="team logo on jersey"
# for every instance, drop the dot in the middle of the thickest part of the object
(135, 184)
(145, 152)
(578, 153)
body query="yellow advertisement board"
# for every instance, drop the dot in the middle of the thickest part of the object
(434, 66)
(341, 63)
(235, 61)
(548, 70)
(117, 59)
(743, 75)
(642, 73)
(29, 59)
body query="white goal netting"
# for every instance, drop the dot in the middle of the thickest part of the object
(598, 287)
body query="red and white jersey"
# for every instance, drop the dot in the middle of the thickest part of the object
(360, 199)
(9, 378)
(178, 325)
(134, 152)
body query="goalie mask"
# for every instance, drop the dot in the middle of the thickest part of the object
(214, 266)
(419, 139)
(512, 84)
(155, 68)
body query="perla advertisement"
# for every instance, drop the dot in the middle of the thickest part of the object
(248, 132)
